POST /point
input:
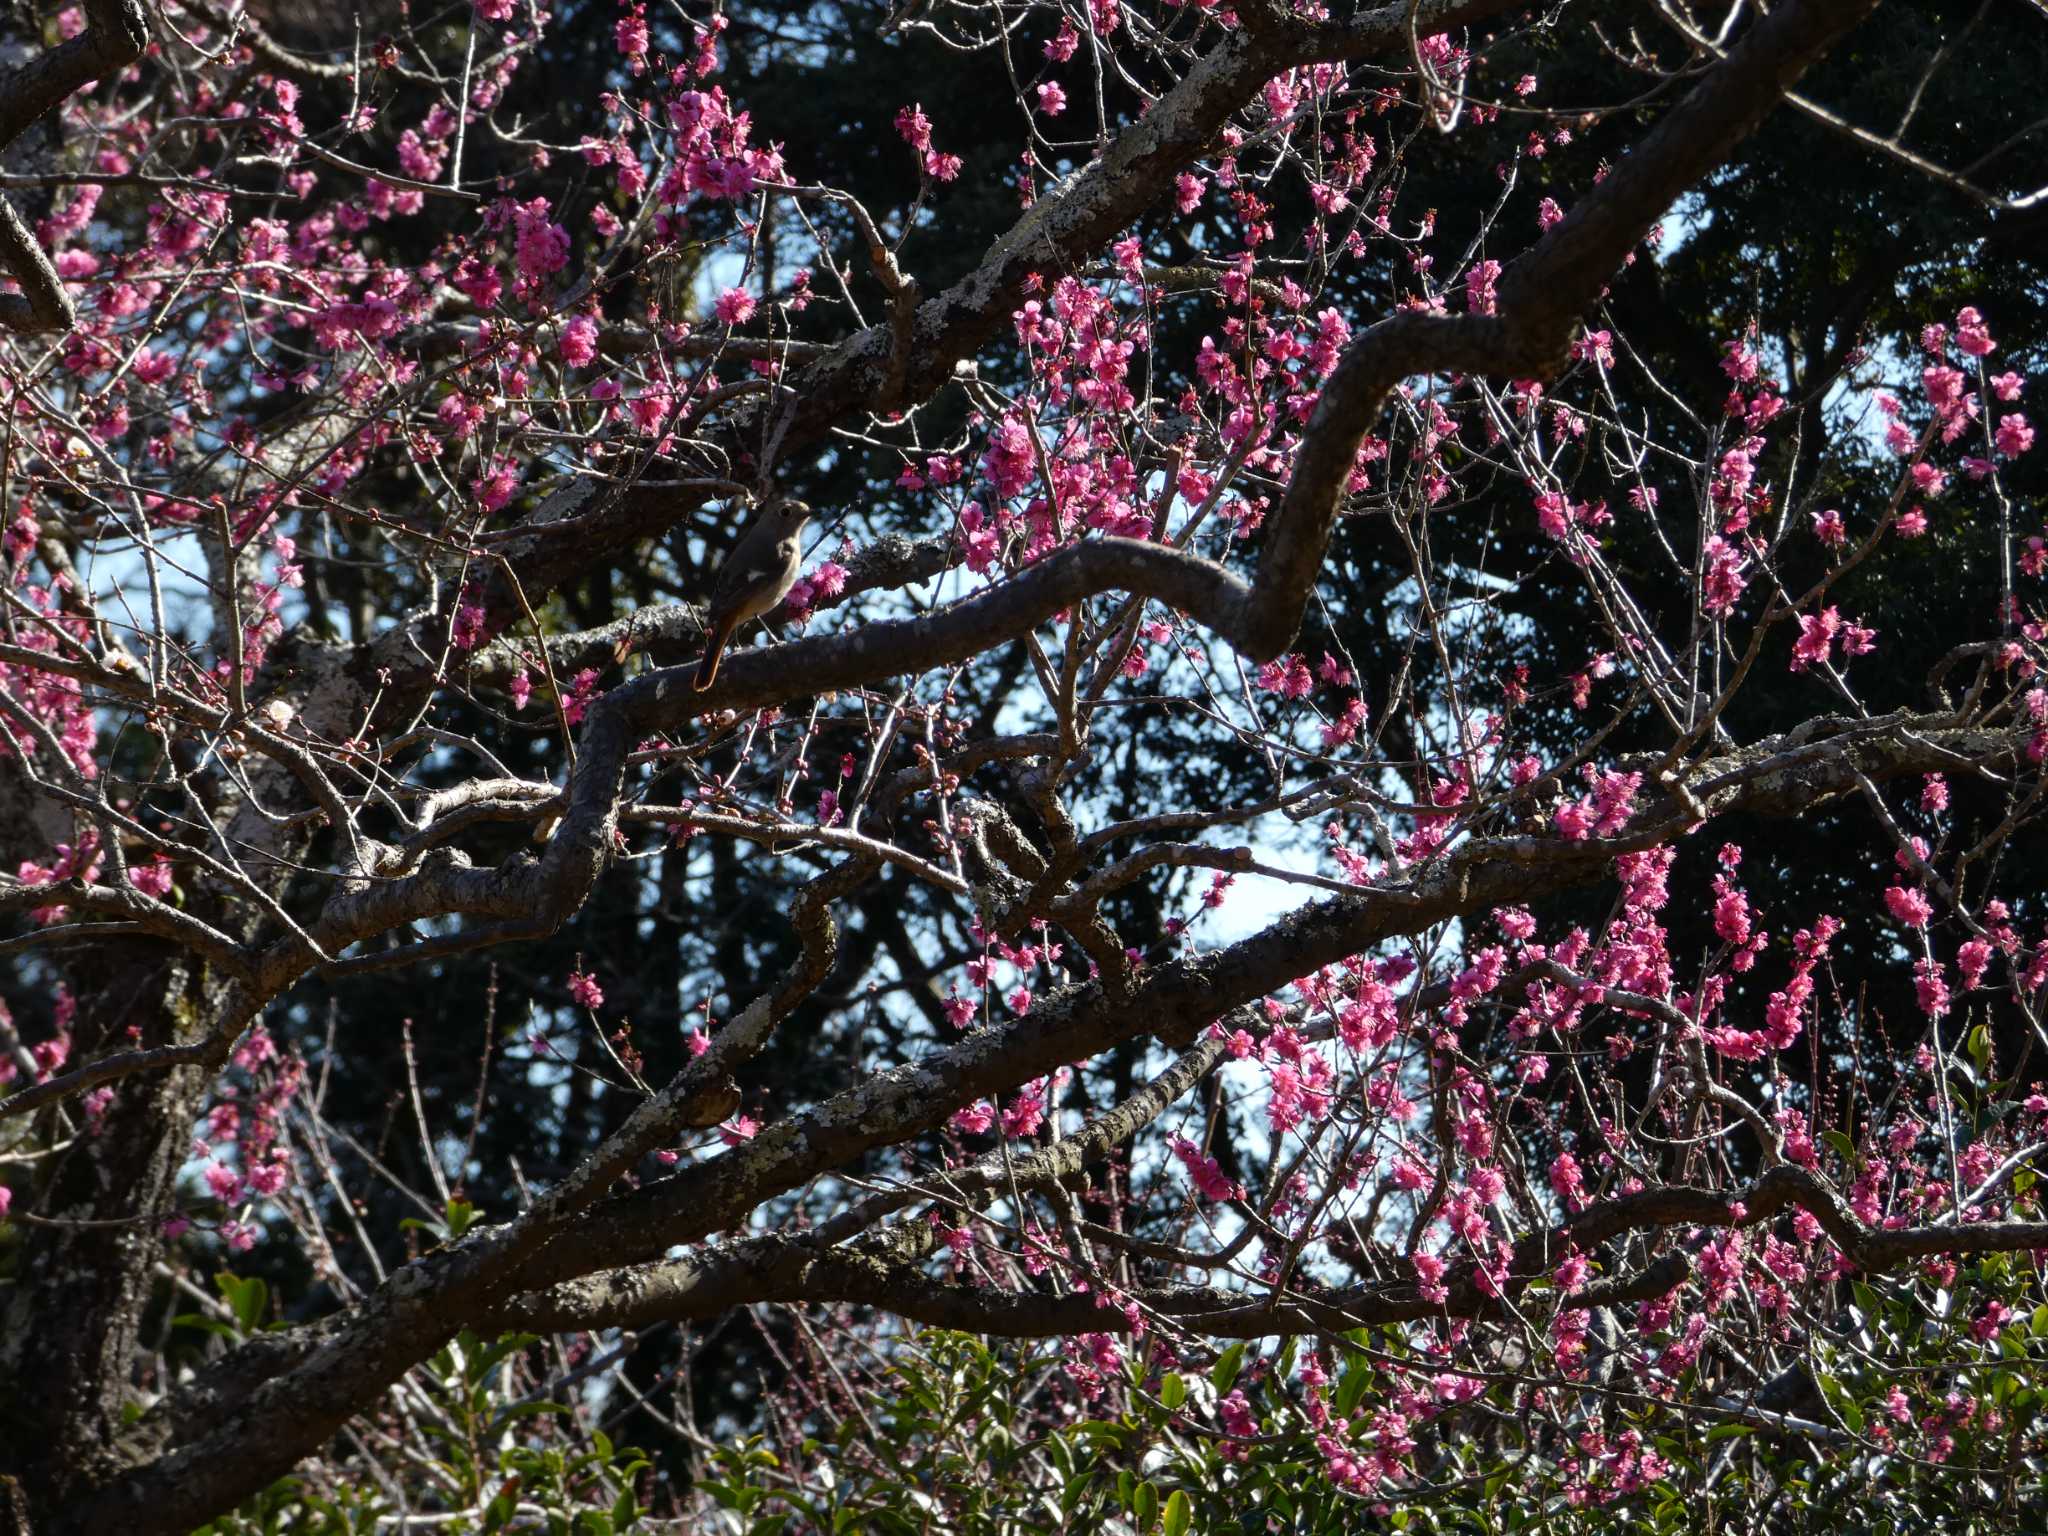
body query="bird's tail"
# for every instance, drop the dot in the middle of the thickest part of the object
(707, 669)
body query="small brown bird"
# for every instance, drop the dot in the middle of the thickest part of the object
(712, 1105)
(756, 576)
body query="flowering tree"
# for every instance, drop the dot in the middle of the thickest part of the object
(1258, 819)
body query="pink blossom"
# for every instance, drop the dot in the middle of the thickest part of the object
(267, 1178)
(468, 630)
(1973, 959)
(1614, 799)
(1817, 634)
(152, 878)
(540, 247)
(1724, 577)
(582, 689)
(1480, 297)
(975, 1119)
(1345, 728)
(1052, 100)
(1574, 820)
(630, 33)
(1908, 905)
(1287, 676)
(1930, 987)
(578, 344)
(1596, 347)
(1429, 1274)
(1026, 1112)
(1567, 1179)
(735, 306)
(915, 127)
(1731, 915)
(496, 488)
(1205, 1172)
(584, 989)
(1971, 335)
(1571, 1274)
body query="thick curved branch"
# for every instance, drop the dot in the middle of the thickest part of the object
(115, 35)
(343, 1362)
(1542, 294)
(331, 1369)
(801, 1271)
(1184, 996)
(1066, 228)
(42, 304)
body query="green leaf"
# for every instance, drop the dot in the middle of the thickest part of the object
(1224, 1372)
(1077, 1485)
(460, 1216)
(1173, 1391)
(1351, 1388)
(501, 1508)
(1842, 1145)
(1101, 1430)
(247, 1299)
(482, 1359)
(205, 1324)
(1180, 1513)
(1844, 1404)
(1146, 1507)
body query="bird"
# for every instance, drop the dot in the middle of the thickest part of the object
(713, 1104)
(756, 576)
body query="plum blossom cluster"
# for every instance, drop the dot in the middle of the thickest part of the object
(242, 1155)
